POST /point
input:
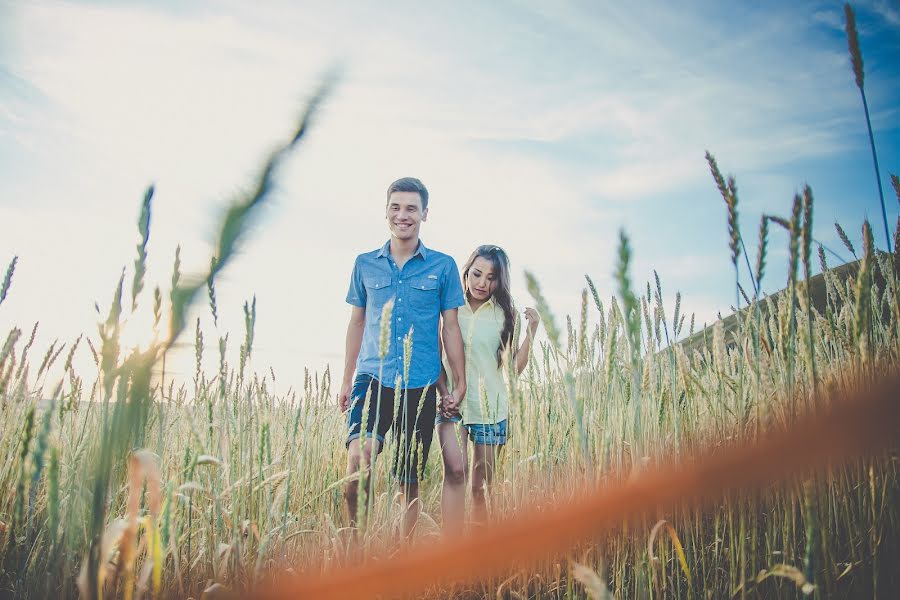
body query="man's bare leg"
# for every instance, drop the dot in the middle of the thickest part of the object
(358, 456)
(411, 508)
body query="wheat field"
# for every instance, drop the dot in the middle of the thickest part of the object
(133, 487)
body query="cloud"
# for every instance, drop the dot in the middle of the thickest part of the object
(543, 128)
(830, 18)
(887, 11)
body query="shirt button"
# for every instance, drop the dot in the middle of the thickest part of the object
(399, 299)
(401, 281)
(398, 338)
(399, 318)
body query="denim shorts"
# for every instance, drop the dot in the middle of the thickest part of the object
(488, 434)
(410, 418)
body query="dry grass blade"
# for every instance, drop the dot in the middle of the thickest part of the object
(676, 543)
(784, 571)
(594, 585)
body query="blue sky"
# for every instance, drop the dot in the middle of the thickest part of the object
(540, 127)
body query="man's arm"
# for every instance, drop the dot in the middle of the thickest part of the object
(351, 352)
(442, 385)
(453, 343)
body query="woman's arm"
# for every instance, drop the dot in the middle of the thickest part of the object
(524, 351)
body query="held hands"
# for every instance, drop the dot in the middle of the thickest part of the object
(449, 405)
(534, 318)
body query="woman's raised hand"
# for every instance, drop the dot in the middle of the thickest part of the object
(534, 318)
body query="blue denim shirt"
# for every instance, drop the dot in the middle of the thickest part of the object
(427, 285)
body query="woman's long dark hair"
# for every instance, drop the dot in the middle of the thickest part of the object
(501, 295)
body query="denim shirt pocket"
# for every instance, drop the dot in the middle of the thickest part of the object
(379, 290)
(424, 293)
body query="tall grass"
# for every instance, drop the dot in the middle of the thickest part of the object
(242, 485)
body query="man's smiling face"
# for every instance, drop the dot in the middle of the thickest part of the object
(404, 214)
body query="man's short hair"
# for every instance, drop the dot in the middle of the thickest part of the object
(409, 184)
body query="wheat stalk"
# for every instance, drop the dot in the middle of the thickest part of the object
(857, 63)
(7, 278)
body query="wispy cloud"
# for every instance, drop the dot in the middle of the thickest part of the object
(886, 10)
(541, 127)
(829, 18)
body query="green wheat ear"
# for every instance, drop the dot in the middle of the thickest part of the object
(594, 294)
(631, 309)
(582, 328)
(763, 248)
(864, 290)
(843, 235)
(27, 434)
(237, 217)
(543, 308)
(806, 230)
(140, 263)
(7, 279)
(729, 194)
(249, 329)
(157, 308)
(176, 272)
(53, 495)
(896, 247)
(676, 319)
(211, 291)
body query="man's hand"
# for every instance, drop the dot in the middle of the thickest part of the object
(443, 403)
(451, 402)
(344, 396)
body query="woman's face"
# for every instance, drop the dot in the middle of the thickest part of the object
(481, 279)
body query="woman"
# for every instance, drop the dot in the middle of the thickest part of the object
(489, 324)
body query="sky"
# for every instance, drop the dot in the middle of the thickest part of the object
(541, 127)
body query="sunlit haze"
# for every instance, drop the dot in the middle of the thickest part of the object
(540, 127)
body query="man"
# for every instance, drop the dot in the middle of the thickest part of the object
(423, 287)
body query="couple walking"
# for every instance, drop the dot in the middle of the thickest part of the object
(472, 322)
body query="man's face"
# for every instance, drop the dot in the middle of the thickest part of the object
(404, 214)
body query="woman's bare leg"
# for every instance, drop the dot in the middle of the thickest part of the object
(484, 457)
(452, 437)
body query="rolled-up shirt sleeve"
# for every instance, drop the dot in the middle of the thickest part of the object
(451, 288)
(356, 294)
